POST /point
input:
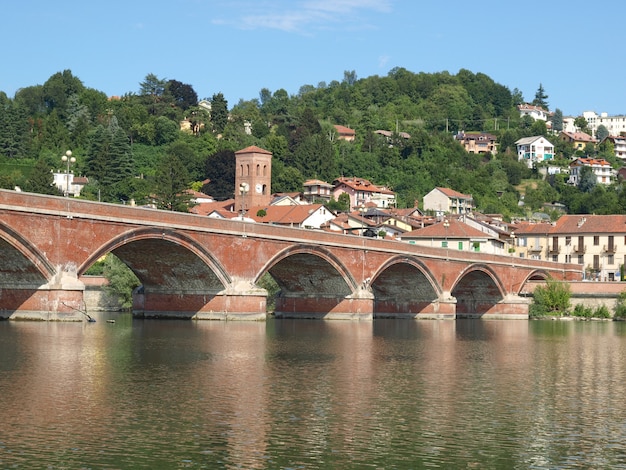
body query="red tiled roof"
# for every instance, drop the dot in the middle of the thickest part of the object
(452, 193)
(283, 214)
(253, 149)
(361, 184)
(456, 229)
(343, 130)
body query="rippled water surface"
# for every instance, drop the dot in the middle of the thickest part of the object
(388, 394)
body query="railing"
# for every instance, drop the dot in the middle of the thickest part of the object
(554, 250)
(609, 249)
(535, 248)
(580, 248)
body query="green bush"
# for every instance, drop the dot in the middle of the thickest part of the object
(581, 311)
(553, 299)
(602, 312)
(620, 306)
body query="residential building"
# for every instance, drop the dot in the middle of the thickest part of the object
(535, 149)
(345, 133)
(477, 142)
(362, 192)
(535, 112)
(66, 182)
(315, 190)
(619, 145)
(578, 139)
(595, 242)
(453, 234)
(312, 216)
(444, 201)
(353, 223)
(599, 166)
(614, 124)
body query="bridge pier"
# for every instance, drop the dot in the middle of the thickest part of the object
(240, 301)
(442, 308)
(59, 300)
(511, 307)
(357, 306)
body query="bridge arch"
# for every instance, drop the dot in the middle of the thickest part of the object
(324, 274)
(22, 262)
(477, 290)
(403, 286)
(165, 260)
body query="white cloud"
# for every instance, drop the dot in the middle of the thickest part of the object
(306, 16)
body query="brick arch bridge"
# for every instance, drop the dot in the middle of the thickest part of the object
(198, 267)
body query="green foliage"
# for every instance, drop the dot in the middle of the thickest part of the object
(553, 299)
(587, 312)
(122, 281)
(268, 283)
(620, 306)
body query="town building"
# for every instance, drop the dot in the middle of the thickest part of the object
(616, 125)
(316, 190)
(599, 166)
(596, 242)
(363, 192)
(619, 145)
(345, 133)
(455, 235)
(535, 149)
(310, 216)
(443, 201)
(68, 183)
(535, 112)
(579, 140)
(477, 142)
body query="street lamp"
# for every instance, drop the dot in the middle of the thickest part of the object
(446, 224)
(243, 189)
(68, 159)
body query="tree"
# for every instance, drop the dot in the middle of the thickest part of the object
(552, 299)
(586, 180)
(541, 98)
(220, 169)
(219, 112)
(41, 179)
(557, 120)
(581, 123)
(602, 132)
(170, 184)
(183, 95)
(122, 280)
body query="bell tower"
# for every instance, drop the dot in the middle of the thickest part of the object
(253, 178)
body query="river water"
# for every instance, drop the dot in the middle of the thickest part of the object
(299, 394)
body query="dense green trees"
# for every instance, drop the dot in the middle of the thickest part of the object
(153, 144)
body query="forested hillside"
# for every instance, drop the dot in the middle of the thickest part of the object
(132, 146)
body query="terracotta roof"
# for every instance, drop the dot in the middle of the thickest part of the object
(206, 208)
(283, 215)
(590, 162)
(577, 224)
(253, 149)
(530, 107)
(452, 193)
(317, 183)
(343, 130)
(361, 184)
(455, 230)
(579, 136)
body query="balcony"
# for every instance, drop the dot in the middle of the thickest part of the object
(580, 249)
(554, 250)
(535, 249)
(609, 248)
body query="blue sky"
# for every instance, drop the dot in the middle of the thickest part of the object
(238, 47)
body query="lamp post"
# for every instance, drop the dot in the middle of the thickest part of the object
(512, 249)
(446, 224)
(361, 212)
(243, 189)
(68, 159)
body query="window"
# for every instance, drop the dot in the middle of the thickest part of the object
(568, 258)
(581, 259)
(555, 258)
(610, 259)
(596, 240)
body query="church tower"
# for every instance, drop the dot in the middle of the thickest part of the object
(253, 178)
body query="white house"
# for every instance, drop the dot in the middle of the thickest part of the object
(599, 166)
(362, 192)
(447, 201)
(534, 149)
(535, 112)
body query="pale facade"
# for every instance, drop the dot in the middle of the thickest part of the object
(614, 124)
(535, 112)
(532, 150)
(362, 193)
(595, 242)
(444, 201)
(600, 167)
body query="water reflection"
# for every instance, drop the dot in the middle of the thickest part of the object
(312, 394)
